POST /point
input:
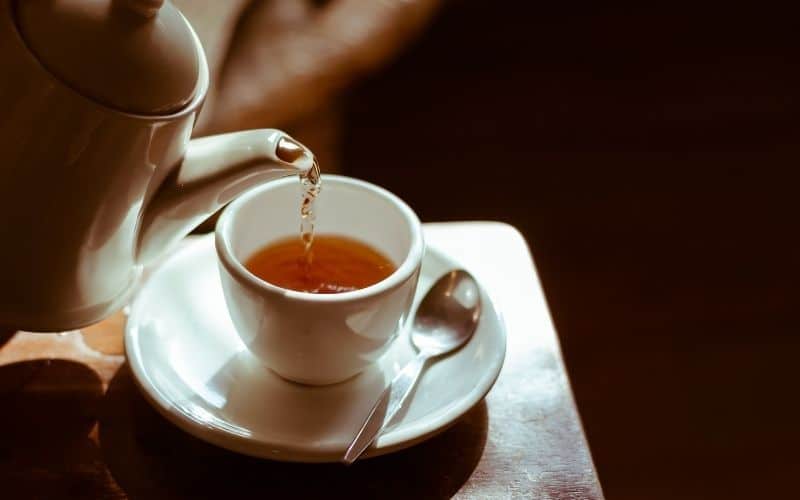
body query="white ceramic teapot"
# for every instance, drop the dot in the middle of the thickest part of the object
(98, 174)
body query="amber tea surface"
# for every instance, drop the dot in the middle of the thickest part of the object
(334, 264)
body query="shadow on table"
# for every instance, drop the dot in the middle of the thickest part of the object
(47, 411)
(150, 458)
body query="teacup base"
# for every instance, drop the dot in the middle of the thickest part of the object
(316, 375)
(315, 381)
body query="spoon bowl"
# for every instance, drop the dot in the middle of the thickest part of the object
(448, 314)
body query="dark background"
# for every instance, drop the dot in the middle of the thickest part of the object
(647, 153)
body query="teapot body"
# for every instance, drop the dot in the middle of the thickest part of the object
(75, 179)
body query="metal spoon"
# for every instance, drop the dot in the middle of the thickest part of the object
(445, 320)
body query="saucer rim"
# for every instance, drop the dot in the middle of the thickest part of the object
(398, 438)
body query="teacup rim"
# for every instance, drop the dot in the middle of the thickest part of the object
(403, 273)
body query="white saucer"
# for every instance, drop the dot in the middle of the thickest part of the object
(190, 364)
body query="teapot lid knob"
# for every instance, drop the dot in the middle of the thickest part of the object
(137, 56)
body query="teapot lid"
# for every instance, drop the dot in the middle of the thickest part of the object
(138, 56)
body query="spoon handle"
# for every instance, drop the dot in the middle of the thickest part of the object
(392, 399)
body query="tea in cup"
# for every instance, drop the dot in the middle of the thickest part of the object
(326, 322)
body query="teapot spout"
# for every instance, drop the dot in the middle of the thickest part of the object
(215, 170)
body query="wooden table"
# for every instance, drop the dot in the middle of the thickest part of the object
(74, 424)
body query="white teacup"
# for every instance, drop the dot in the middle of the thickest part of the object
(319, 338)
